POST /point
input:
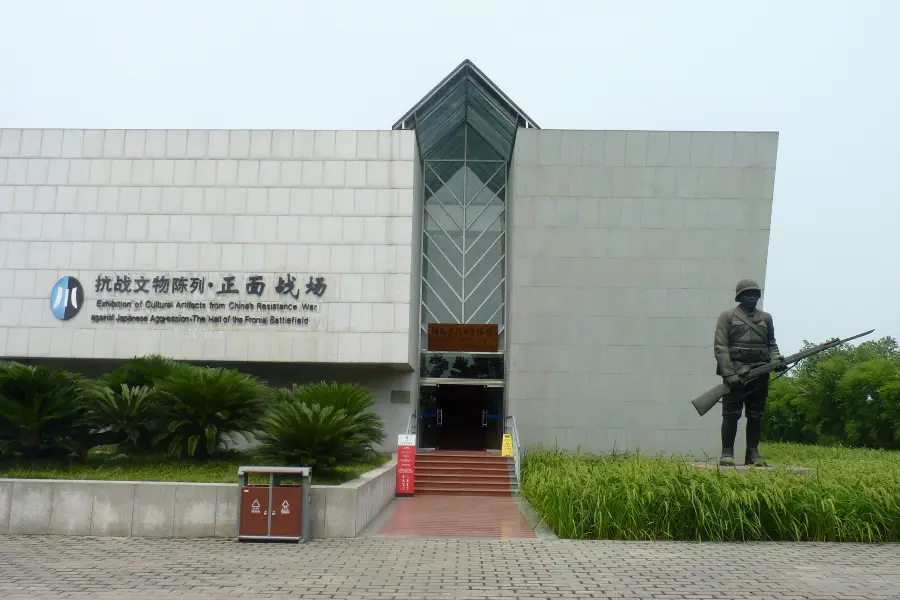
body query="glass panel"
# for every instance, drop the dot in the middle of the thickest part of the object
(494, 434)
(484, 181)
(451, 86)
(465, 178)
(452, 146)
(488, 271)
(443, 282)
(437, 310)
(441, 365)
(443, 252)
(447, 107)
(485, 305)
(502, 117)
(444, 182)
(500, 141)
(444, 133)
(426, 432)
(478, 149)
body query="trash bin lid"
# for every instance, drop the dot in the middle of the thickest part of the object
(304, 471)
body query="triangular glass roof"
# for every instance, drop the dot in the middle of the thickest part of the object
(465, 104)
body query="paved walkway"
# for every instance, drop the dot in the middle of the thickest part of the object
(381, 568)
(466, 516)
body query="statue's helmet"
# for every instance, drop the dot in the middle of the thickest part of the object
(745, 285)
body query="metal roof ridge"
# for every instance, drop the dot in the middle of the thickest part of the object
(466, 64)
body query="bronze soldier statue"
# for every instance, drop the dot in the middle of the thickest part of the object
(744, 339)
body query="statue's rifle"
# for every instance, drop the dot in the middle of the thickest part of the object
(704, 402)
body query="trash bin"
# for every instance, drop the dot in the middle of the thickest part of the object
(274, 512)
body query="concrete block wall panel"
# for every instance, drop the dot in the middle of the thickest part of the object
(113, 509)
(31, 507)
(625, 246)
(72, 508)
(206, 205)
(154, 510)
(195, 511)
(6, 494)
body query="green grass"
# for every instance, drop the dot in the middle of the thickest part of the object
(851, 495)
(779, 453)
(222, 469)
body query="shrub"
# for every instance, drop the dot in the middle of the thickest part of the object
(639, 498)
(204, 406)
(320, 425)
(43, 411)
(140, 371)
(132, 414)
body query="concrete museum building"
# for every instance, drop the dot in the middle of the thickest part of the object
(466, 265)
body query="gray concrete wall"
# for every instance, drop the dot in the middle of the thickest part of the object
(625, 246)
(159, 509)
(210, 204)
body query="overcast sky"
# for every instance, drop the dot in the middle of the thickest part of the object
(823, 73)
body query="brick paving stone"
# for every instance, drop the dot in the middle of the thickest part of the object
(460, 516)
(390, 568)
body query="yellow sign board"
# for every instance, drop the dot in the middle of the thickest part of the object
(507, 447)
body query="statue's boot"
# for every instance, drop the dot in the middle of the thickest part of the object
(754, 430)
(729, 431)
(727, 458)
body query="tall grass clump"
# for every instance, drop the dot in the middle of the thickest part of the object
(645, 498)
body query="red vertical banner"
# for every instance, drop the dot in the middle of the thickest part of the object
(406, 465)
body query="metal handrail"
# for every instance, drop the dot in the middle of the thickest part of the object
(411, 424)
(510, 426)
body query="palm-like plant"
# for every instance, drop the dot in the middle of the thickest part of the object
(140, 371)
(133, 415)
(204, 406)
(320, 425)
(42, 411)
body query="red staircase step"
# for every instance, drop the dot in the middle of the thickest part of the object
(463, 491)
(473, 458)
(458, 470)
(467, 463)
(423, 478)
(458, 473)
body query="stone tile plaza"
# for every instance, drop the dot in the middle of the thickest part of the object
(387, 568)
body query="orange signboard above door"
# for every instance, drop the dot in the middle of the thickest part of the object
(463, 338)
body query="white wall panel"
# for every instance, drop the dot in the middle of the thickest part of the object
(208, 205)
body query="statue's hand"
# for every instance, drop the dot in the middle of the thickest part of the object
(781, 366)
(733, 381)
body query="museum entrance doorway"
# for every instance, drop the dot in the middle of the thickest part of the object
(461, 416)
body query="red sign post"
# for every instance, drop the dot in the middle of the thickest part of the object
(406, 465)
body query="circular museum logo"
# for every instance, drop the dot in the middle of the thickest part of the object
(66, 298)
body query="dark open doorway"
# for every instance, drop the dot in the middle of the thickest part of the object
(461, 417)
